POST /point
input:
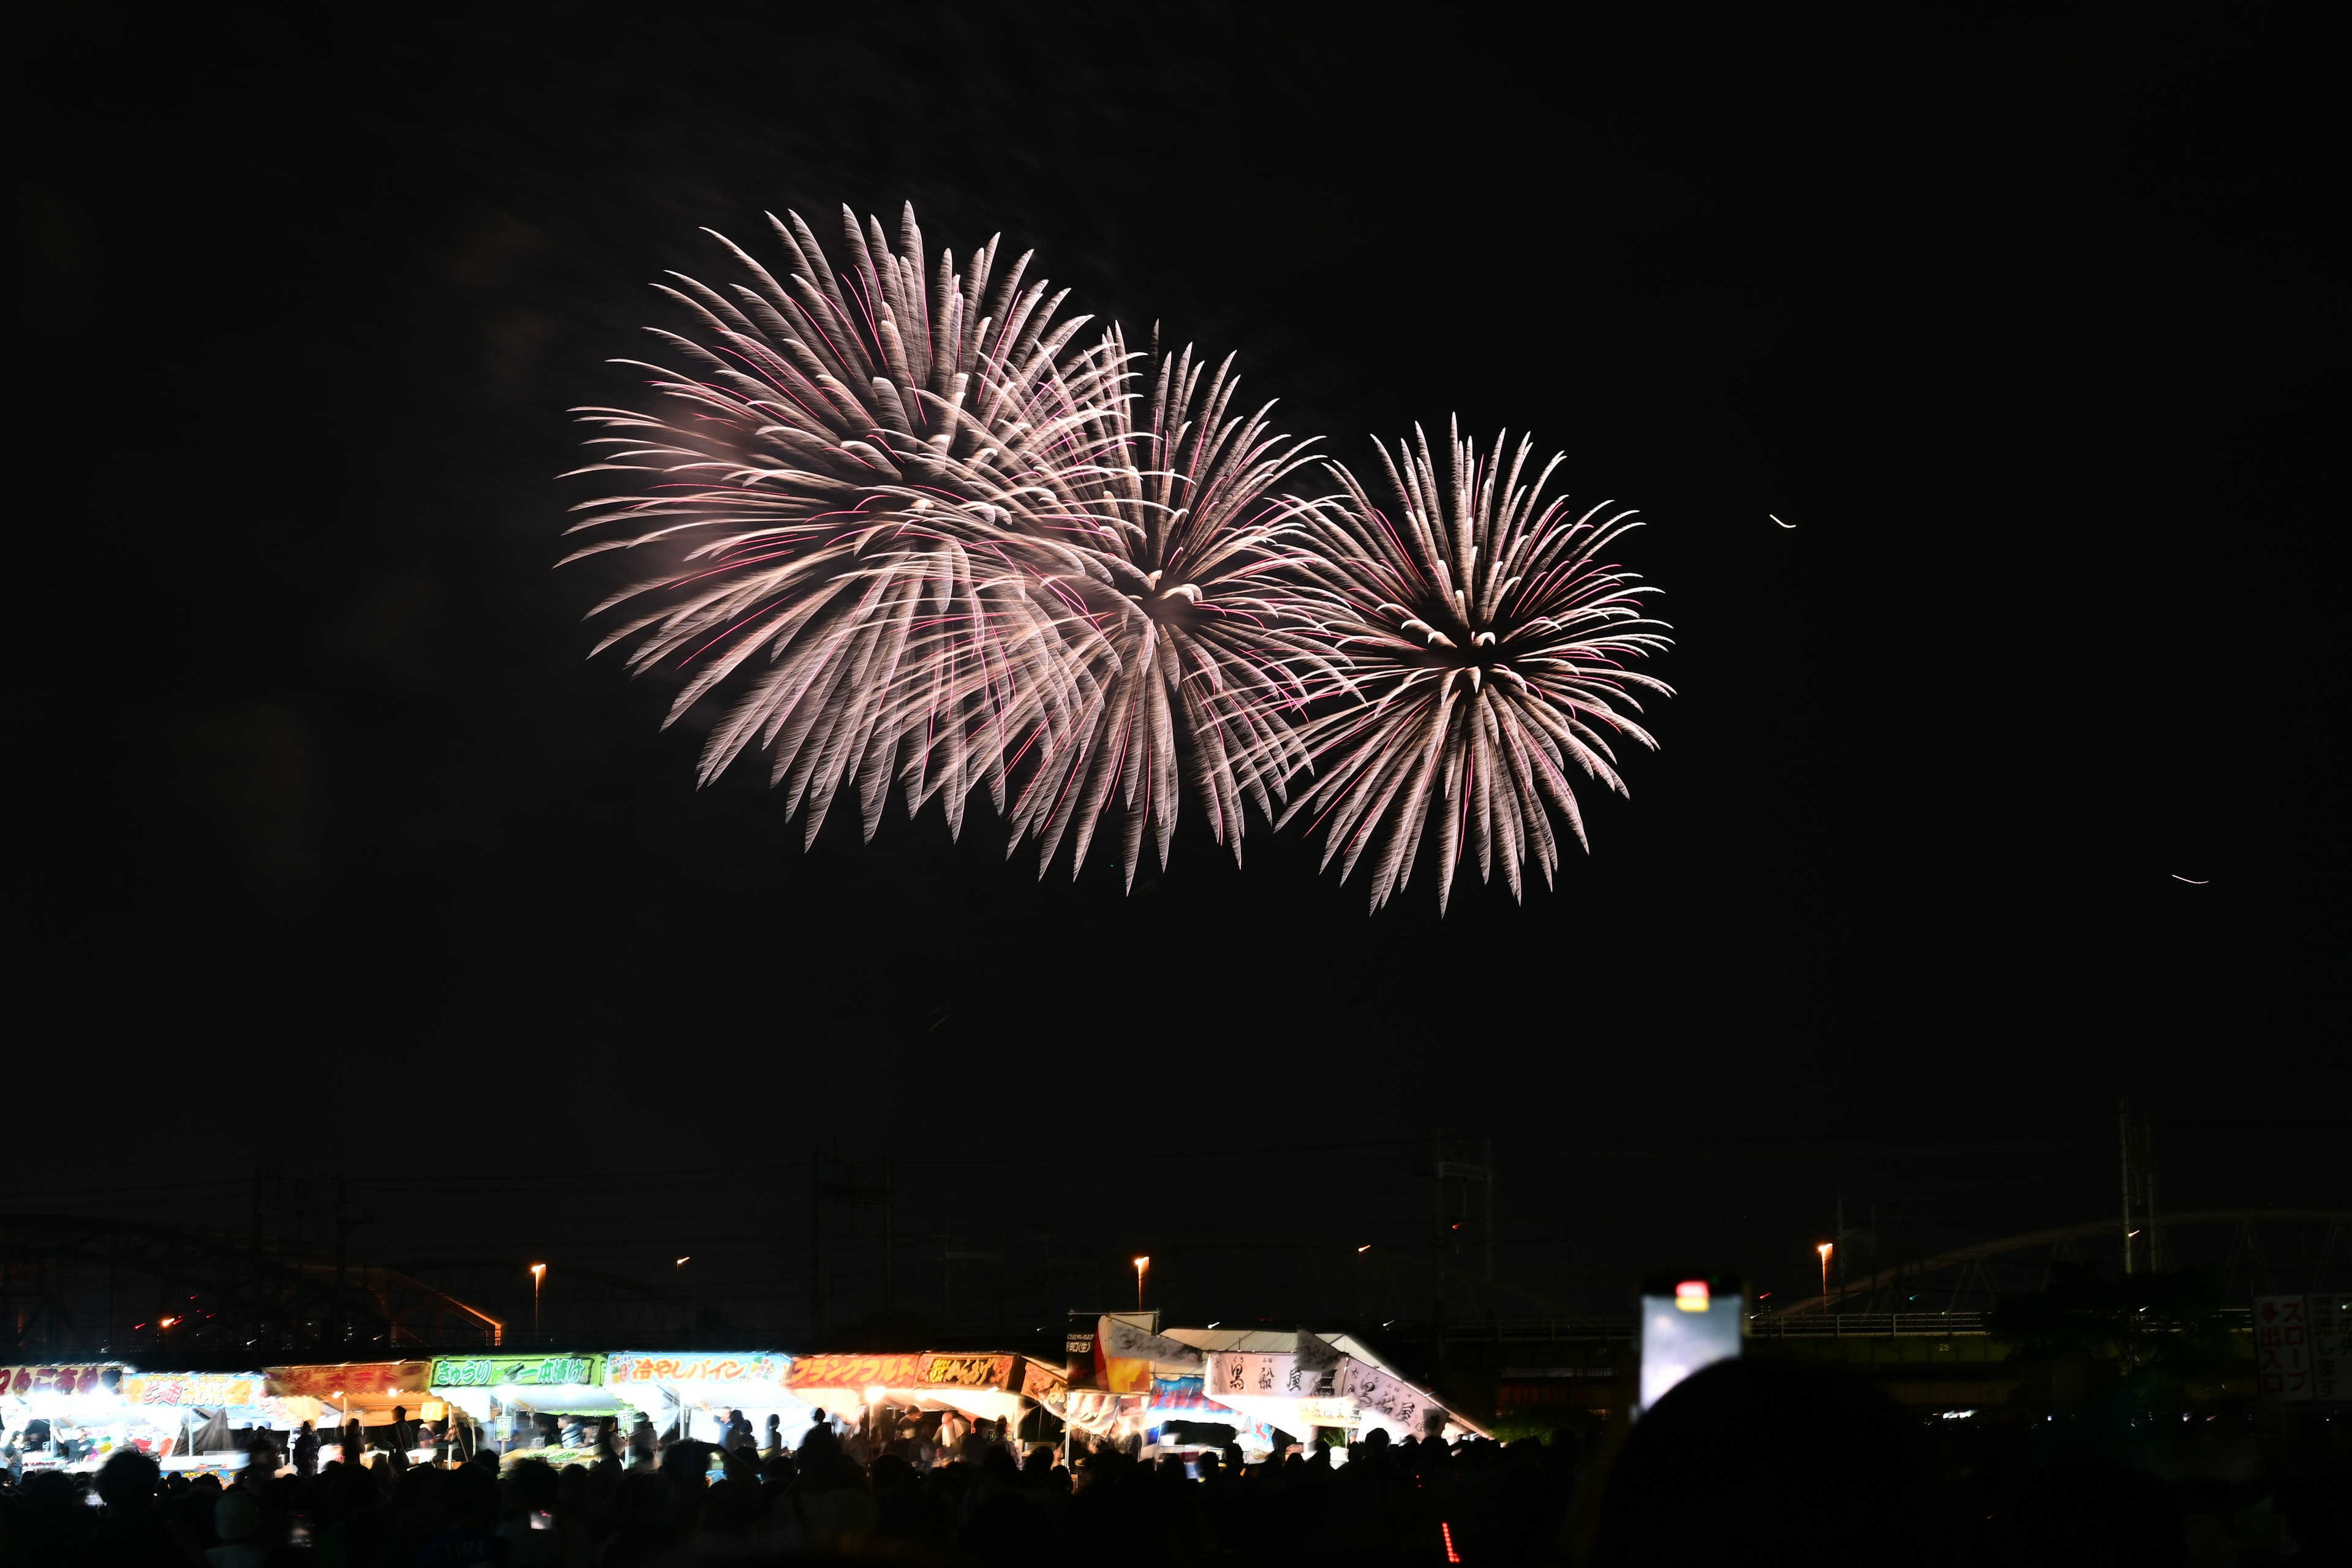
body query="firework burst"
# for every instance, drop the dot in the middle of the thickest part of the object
(830, 487)
(1174, 591)
(1485, 644)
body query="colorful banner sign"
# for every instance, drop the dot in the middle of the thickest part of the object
(746, 1369)
(1270, 1374)
(181, 1389)
(352, 1382)
(23, 1381)
(516, 1371)
(904, 1370)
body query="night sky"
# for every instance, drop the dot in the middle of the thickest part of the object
(341, 853)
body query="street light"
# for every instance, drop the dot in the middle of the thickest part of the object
(537, 1273)
(1140, 1265)
(1824, 1250)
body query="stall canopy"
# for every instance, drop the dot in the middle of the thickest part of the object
(544, 1385)
(1297, 1381)
(704, 1387)
(989, 1386)
(363, 1391)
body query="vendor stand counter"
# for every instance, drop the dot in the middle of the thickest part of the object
(703, 1387)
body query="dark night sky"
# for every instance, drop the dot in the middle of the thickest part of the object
(342, 852)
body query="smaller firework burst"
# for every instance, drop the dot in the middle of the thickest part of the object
(1485, 641)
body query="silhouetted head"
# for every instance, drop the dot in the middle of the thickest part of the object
(128, 1483)
(1773, 1459)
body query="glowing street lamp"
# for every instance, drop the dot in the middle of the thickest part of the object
(1824, 1250)
(538, 1274)
(1140, 1265)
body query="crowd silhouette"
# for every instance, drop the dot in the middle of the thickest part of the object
(1749, 1460)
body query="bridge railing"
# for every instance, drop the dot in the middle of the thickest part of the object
(1866, 1325)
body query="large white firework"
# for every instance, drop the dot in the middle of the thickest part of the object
(830, 486)
(1485, 640)
(1191, 640)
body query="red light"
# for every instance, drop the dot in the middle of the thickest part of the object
(1451, 1555)
(1691, 1295)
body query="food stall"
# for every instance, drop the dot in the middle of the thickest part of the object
(187, 1418)
(506, 1394)
(697, 1390)
(989, 1385)
(1298, 1381)
(60, 1415)
(331, 1395)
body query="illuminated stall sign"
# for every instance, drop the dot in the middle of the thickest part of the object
(196, 1388)
(911, 1371)
(745, 1369)
(352, 1382)
(1271, 1375)
(517, 1371)
(26, 1381)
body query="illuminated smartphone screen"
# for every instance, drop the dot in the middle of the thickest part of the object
(1687, 1324)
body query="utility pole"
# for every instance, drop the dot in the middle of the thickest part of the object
(2122, 1152)
(817, 1254)
(1442, 1231)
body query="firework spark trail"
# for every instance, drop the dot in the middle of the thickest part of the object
(1484, 642)
(834, 489)
(1193, 643)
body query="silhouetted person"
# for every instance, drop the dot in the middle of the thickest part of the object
(775, 1442)
(133, 1535)
(306, 1451)
(403, 1434)
(1754, 1460)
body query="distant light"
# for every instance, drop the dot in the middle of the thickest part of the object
(1451, 1555)
(684, 1261)
(1366, 1248)
(1691, 1295)
(1218, 1320)
(874, 1393)
(2131, 1233)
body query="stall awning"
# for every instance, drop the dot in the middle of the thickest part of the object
(746, 1380)
(1299, 1380)
(988, 1385)
(547, 1385)
(354, 1384)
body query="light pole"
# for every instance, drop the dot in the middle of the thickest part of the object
(1140, 1265)
(1824, 1250)
(538, 1274)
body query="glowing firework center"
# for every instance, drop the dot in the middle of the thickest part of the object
(695, 1393)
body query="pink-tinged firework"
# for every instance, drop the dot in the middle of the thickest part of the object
(1190, 639)
(830, 487)
(1485, 640)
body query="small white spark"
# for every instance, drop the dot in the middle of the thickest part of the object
(2192, 881)
(1776, 519)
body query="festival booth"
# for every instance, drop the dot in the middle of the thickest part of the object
(61, 1415)
(188, 1419)
(989, 1386)
(506, 1394)
(1127, 1381)
(1297, 1381)
(696, 1390)
(331, 1395)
